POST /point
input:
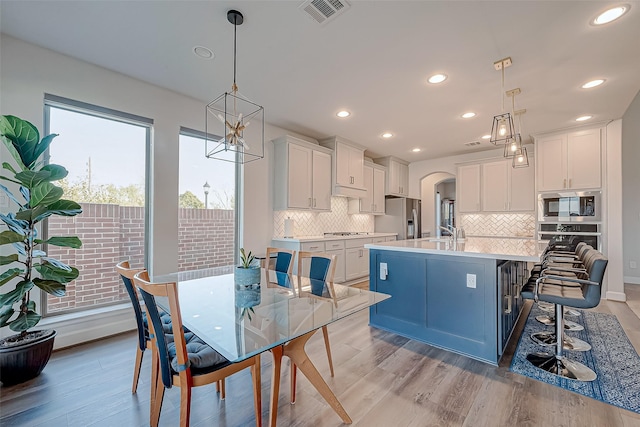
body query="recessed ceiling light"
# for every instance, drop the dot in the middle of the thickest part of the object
(611, 14)
(486, 136)
(343, 114)
(387, 135)
(437, 78)
(203, 52)
(583, 118)
(468, 115)
(416, 150)
(592, 83)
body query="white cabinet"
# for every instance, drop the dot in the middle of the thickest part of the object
(522, 188)
(373, 201)
(302, 175)
(468, 186)
(397, 182)
(347, 167)
(494, 181)
(496, 187)
(356, 258)
(569, 161)
(336, 247)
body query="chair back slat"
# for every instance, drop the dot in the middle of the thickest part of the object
(149, 292)
(126, 274)
(284, 259)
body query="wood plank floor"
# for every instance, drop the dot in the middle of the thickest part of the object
(382, 380)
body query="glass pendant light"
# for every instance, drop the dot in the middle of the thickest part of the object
(228, 116)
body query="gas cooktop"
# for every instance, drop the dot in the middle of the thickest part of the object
(345, 233)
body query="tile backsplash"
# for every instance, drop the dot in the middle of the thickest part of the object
(317, 223)
(509, 225)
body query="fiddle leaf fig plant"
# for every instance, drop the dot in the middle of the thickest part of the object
(29, 266)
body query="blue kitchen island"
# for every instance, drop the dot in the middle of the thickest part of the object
(463, 297)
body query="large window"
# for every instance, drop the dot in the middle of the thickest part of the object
(207, 229)
(106, 154)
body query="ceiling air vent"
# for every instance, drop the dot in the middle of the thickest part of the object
(323, 11)
(472, 143)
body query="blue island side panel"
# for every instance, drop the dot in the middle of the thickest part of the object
(431, 302)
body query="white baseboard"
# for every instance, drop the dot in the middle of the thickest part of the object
(77, 328)
(616, 296)
(631, 279)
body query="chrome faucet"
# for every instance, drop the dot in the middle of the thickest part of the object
(453, 232)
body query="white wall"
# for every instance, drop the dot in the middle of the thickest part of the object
(630, 191)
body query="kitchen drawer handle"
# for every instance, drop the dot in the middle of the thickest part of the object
(314, 247)
(569, 182)
(314, 202)
(310, 202)
(564, 183)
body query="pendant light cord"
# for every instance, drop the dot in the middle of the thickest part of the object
(502, 91)
(235, 28)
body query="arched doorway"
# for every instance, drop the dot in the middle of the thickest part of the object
(444, 182)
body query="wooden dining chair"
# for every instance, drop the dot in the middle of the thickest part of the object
(144, 341)
(321, 267)
(186, 362)
(283, 262)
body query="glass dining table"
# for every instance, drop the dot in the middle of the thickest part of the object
(278, 315)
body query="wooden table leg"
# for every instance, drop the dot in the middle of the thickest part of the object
(275, 384)
(294, 349)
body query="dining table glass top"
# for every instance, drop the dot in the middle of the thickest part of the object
(241, 321)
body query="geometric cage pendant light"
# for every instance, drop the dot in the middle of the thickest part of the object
(513, 144)
(228, 116)
(502, 129)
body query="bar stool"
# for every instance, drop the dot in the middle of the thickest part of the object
(572, 292)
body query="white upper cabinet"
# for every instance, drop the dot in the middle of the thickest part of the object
(495, 192)
(347, 167)
(302, 175)
(397, 183)
(373, 201)
(321, 181)
(496, 186)
(468, 186)
(569, 161)
(522, 188)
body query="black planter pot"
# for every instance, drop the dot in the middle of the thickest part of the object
(25, 361)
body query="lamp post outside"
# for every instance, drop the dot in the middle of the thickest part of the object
(206, 188)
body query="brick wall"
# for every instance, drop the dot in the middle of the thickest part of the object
(112, 233)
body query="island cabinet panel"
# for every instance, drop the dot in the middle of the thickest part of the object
(406, 308)
(433, 300)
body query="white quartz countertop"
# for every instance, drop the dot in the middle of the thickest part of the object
(302, 239)
(480, 247)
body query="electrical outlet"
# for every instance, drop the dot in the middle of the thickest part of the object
(471, 280)
(633, 264)
(383, 271)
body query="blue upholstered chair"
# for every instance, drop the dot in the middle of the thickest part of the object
(185, 360)
(321, 269)
(144, 341)
(571, 291)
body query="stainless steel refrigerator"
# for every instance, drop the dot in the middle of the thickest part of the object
(402, 217)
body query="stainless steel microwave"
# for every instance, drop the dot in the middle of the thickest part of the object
(582, 206)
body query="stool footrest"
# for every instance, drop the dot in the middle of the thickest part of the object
(561, 366)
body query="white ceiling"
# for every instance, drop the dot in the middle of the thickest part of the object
(372, 60)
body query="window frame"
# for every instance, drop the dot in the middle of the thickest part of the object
(54, 101)
(238, 187)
